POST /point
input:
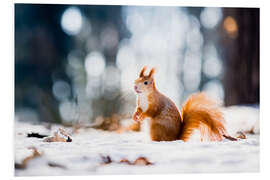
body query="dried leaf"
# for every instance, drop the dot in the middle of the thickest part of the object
(54, 139)
(62, 132)
(59, 136)
(139, 161)
(52, 164)
(106, 159)
(142, 161)
(250, 131)
(26, 160)
(69, 139)
(126, 161)
(241, 135)
(230, 138)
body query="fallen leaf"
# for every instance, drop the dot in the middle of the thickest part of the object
(106, 159)
(126, 161)
(250, 131)
(139, 161)
(54, 139)
(59, 136)
(230, 138)
(52, 164)
(69, 139)
(142, 161)
(241, 135)
(26, 160)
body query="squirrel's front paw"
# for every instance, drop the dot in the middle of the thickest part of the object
(137, 116)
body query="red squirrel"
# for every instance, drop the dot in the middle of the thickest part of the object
(166, 122)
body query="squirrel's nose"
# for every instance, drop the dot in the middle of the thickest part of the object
(135, 87)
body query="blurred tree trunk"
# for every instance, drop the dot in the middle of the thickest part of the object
(241, 55)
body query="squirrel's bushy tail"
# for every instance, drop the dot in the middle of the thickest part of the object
(201, 113)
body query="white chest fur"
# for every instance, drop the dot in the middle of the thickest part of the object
(143, 101)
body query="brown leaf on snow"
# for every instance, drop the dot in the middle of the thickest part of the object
(59, 136)
(106, 159)
(26, 160)
(54, 139)
(126, 161)
(241, 135)
(250, 131)
(142, 161)
(230, 137)
(52, 164)
(139, 161)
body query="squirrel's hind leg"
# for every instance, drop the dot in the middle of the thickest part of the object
(159, 132)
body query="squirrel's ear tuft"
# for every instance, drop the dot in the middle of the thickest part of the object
(142, 71)
(152, 72)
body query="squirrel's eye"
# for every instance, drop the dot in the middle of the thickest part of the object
(145, 82)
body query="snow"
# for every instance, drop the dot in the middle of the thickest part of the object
(82, 156)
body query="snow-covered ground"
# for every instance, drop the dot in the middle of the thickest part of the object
(84, 154)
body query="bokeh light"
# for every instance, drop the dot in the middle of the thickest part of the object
(215, 90)
(210, 17)
(109, 38)
(194, 37)
(93, 89)
(111, 82)
(125, 56)
(68, 111)
(230, 26)
(192, 71)
(94, 64)
(72, 21)
(61, 90)
(212, 66)
(111, 77)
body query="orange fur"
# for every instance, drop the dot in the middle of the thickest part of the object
(142, 71)
(166, 123)
(200, 112)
